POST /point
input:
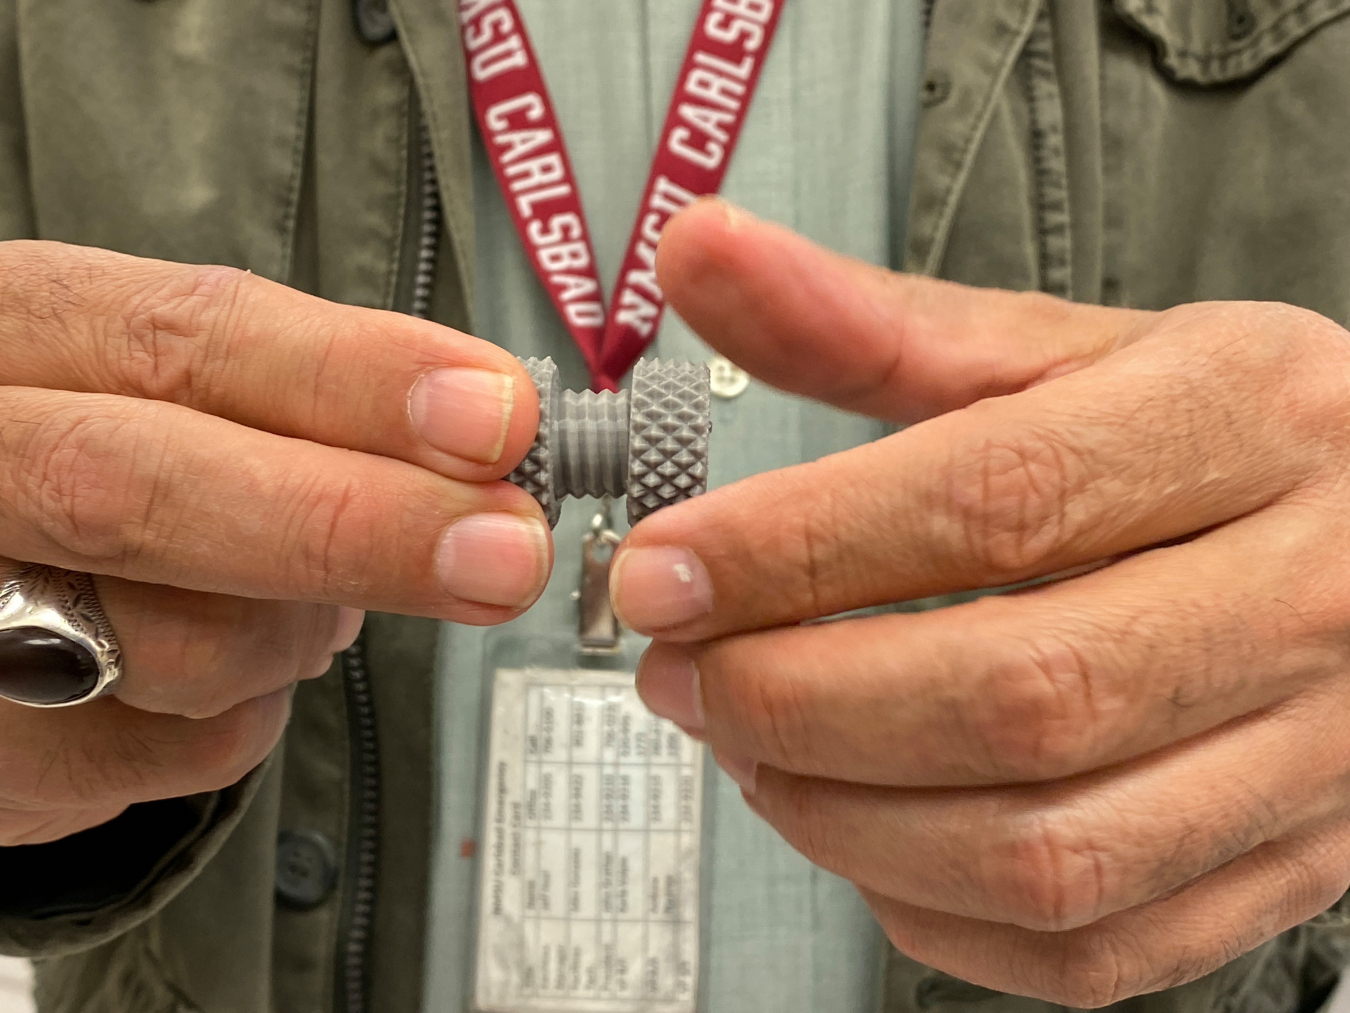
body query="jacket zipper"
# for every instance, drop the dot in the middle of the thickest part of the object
(362, 729)
(366, 817)
(428, 245)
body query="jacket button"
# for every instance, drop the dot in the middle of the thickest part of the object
(306, 869)
(373, 21)
(937, 87)
(1241, 20)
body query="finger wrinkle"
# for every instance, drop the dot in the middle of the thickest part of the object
(170, 332)
(1038, 715)
(81, 493)
(1013, 497)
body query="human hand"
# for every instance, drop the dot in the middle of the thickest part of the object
(1090, 789)
(245, 468)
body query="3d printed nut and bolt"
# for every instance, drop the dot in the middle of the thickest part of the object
(649, 443)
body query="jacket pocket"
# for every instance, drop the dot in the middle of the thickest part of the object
(1214, 42)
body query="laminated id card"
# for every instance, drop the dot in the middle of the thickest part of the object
(589, 879)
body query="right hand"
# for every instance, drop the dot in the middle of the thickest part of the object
(244, 468)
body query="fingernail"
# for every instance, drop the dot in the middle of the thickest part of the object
(733, 215)
(668, 683)
(494, 559)
(464, 412)
(744, 771)
(655, 589)
(348, 629)
(736, 216)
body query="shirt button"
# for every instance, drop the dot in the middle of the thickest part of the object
(306, 869)
(727, 379)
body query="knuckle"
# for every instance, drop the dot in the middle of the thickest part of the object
(178, 672)
(1035, 716)
(307, 642)
(816, 552)
(329, 524)
(1049, 875)
(224, 748)
(1100, 966)
(1014, 500)
(203, 697)
(1093, 971)
(67, 488)
(173, 331)
(246, 650)
(201, 670)
(192, 678)
(289, 644)
(775, 709)
(1267, 339)
(1289, 366)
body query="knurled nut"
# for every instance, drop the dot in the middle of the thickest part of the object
(669, 425)
(535, 474)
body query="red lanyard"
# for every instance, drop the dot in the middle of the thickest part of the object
(529, 157)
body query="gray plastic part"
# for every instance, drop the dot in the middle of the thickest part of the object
(649, 444)
(535, 474)
(592, 444)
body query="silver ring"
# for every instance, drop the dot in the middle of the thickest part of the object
(57, 648)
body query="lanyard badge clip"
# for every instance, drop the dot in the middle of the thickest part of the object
(598, 631)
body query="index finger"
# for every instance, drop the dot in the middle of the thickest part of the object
(1162, 439)
(160, 494)
(231, 344)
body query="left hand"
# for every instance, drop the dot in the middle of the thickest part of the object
(1094, 788)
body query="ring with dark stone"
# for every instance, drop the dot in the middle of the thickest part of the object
(57, 648)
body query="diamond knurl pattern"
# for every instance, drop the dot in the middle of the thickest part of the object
(669, 427)
(535, 474)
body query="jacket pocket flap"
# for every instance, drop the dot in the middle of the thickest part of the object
(1211, 42)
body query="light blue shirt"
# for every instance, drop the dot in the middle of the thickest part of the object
(826, 150)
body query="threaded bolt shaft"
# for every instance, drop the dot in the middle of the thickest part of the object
(592, 445)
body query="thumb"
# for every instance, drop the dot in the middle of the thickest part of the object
(893, 346)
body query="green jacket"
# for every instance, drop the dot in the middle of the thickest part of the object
(1139, 152)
